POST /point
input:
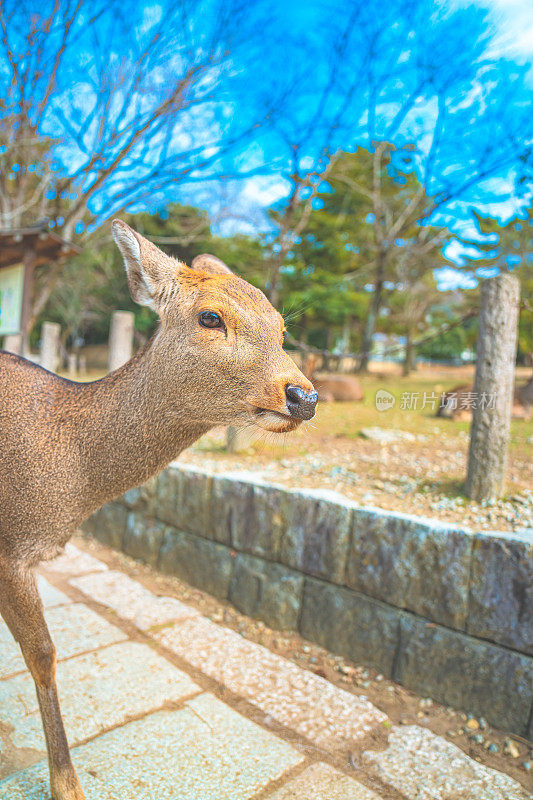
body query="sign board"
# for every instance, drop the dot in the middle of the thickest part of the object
(11, 286)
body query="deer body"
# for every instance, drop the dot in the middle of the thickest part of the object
(66, 448)
(75, 446)
(457, 403)
(333, 388)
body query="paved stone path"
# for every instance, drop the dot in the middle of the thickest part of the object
(160, 703)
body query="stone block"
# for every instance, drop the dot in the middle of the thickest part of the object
(99, 690)
(466, 673)
(267, 591)
(108, 525)
(74, 629)
(74, 561)
(143, 537)
(183, 499)
(316, 534)
(231, 510)
(423, 766)
(322, 782)
(350, 624)
(203, 751)
(501, 589)
(259, 532)
(131, 600)
(50, 595)
(166, 495)
(196, 561)
(412, 563)
(142, 498)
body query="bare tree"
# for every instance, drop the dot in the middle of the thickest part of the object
(308, 132)
(400, 250)
(103, 107)
(416, 72)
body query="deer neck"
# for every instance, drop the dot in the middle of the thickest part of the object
(135, 424)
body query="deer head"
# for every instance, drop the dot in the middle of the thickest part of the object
(219, 347)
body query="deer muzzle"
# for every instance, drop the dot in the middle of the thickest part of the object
(300, 404)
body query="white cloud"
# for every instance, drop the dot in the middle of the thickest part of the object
(263, 190)
(448, 279)
(514, 20)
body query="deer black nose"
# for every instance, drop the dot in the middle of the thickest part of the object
(300, 404)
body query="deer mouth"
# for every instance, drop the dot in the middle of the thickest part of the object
(275, 421)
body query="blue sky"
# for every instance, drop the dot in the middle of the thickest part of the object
(512, 21)
(512, 39)
(477, 56)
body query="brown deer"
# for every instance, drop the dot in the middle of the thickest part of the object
(457, 403)
(524, 398)
(332, 388)
(67, 448)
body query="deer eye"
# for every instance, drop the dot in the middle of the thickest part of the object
(208, 319)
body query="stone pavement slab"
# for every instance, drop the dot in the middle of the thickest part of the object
(131, 600)
(295, 697)
(74, 561)
(50, 595)
(97, 691)
(150, 732)
(205, 751)
(423, 766)
(321, 782)
(74, 629)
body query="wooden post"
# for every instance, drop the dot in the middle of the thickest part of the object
(27, 295)
(50, 335)
(493, 387)
(237, 440)
(13, 343)
(120, 339)
(72, 361)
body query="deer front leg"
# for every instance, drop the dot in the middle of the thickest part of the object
(21, 607)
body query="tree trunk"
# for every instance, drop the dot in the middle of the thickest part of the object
(409, 362)
(493, 387)
(273, 293)
(326, 361)
(120, 339)
(373, 313)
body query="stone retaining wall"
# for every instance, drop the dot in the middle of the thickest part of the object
(444, 611)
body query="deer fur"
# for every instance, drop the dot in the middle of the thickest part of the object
(67, 448)
(333, 388)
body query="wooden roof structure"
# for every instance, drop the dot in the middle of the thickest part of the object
(31, 247)
(44, 246)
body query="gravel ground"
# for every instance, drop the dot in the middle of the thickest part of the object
(421, 474)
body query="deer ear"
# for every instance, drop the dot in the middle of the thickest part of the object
(148, 269)
(210, 264)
